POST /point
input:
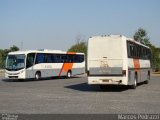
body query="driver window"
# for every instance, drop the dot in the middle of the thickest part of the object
(30, 60)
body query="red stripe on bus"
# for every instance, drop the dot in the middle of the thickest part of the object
(61, 70)
(136, 64)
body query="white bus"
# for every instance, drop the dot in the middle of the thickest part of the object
(115, 59)
(43, 63)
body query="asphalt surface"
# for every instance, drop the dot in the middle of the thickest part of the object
(75, 96)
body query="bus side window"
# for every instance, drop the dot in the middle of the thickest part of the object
(145, 53)
(40, 58)
(58, 58)
(71, 58)
(53, 58)
(148, 54)
(135, 51)
(81, 58)
(30, 60)
(78, 58)
(138, 51)
(128, 49)
(132, 50)
(48, 58)
(64, 58)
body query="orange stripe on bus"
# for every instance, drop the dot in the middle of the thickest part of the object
(73, 53)
(136, 64)
(67, 66)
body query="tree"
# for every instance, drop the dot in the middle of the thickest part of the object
(141, 36)
(80, 47)
(14, 48)
(1, 59)
(155, 58)
(3, 54)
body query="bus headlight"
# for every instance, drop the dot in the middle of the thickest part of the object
(22, 71)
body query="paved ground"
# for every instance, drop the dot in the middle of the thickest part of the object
(75, 96)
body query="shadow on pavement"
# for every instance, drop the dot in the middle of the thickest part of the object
(23, 80)
(95, 88)
(33, 80)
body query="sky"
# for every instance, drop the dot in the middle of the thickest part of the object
(58, 24)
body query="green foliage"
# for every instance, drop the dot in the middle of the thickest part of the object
(3, 54)
(141, 36)
(14, 48)
(155, 58)
(79, 47)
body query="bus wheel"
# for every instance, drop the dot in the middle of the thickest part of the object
(69, 74)
(147, 81)
(135, 83)
(38, 75)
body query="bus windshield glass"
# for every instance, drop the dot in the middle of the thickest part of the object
(15, 62)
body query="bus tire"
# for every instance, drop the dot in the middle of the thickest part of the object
(135, 83)
(69, 74)
(147, 81)
(38, 75)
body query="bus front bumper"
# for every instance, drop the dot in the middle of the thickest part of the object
(15, 75)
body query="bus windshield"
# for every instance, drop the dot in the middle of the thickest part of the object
(15, 62)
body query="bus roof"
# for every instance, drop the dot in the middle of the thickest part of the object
(116, 36)
(132, 40)
(43, 51)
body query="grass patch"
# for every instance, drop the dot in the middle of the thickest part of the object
(156, 72)
(1, 74)
(2, 71)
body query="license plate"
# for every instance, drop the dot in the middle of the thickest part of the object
(105, 80)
